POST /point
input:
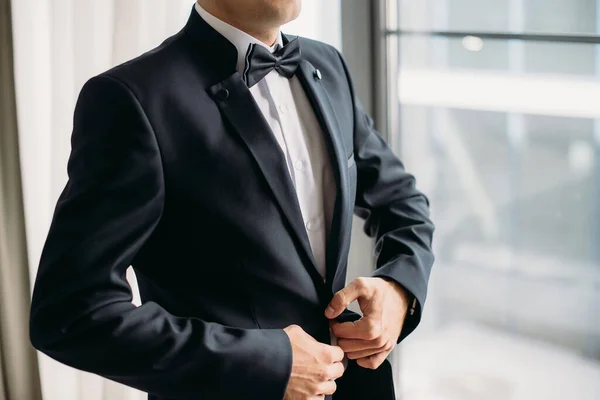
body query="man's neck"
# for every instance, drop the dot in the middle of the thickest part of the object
(266, 35)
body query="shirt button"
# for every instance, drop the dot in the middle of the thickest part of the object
(300, 166)
(282, 108)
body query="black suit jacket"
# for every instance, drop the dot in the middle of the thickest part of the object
(174, 171)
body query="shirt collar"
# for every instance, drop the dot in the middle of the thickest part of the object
(240, 39)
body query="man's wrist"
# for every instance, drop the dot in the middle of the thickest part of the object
(407, 298)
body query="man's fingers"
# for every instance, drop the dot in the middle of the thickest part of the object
(342, 299)
(352, 345)
(374, 361)
(327, 387)
(334, 354)
(366, 328)
(335, 371)
(354, 355)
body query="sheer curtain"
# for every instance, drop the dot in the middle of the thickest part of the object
(19, 377)
(60, 44)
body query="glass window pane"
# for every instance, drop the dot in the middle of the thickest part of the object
(531, 16)
(562, 16)
(515, 291)
(504, 138)
(486, 15)
(489, 54)
(430, 52)
(470, 52)
(561, 58)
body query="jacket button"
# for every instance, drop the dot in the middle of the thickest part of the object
(223, 94)
(317, 74)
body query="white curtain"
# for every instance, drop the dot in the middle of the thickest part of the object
(59, 45)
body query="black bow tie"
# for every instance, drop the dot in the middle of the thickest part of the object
(259, 61)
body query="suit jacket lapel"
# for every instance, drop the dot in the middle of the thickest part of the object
(238, 106)
(311, 78)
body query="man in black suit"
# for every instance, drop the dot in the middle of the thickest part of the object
(225, 166)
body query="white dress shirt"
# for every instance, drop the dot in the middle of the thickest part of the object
(292, 119)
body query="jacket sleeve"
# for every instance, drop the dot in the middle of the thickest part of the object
(81, 313)
(396, 214)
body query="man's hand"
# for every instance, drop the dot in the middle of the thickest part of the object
(370, 339)
(315, 366)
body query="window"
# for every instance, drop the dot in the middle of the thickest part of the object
(495, 106)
